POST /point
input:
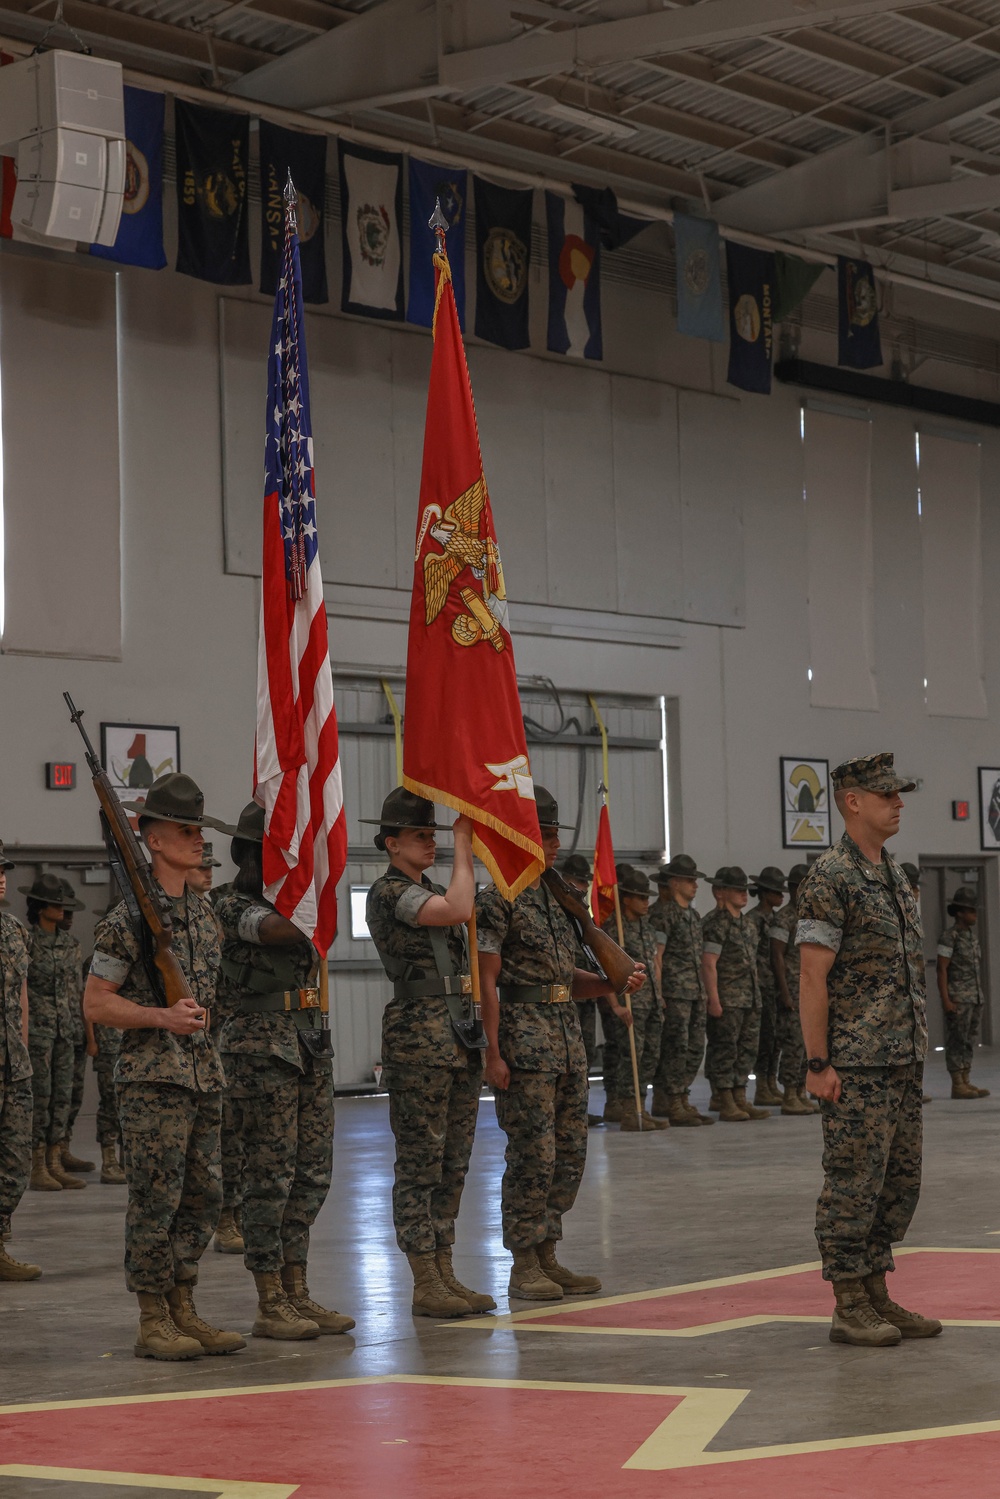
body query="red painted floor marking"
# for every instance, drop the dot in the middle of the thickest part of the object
(961, 1287)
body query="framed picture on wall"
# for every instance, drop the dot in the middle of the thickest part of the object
(989, 808)
(805, 803)
(135, 754)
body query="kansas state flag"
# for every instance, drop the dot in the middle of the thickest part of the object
(574, 280)
(429, 184)
(699, 281)
(140, 230)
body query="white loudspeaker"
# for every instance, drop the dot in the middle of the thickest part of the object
(62, 115)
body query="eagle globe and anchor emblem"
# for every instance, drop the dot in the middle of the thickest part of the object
(456, 530)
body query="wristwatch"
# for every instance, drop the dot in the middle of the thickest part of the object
(819, 1064)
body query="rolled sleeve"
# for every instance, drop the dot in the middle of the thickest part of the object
(104, 965)
(820, 933)
(411, 903)
(778, 933)
(250, 922)
(944, 951)
(714, 948)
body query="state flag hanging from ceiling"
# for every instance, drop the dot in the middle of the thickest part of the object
(503, 261)
(139, 240)
(858, 342)
(751, 331)
(371, 218)
(213, 240)
(699, 279)
(464, 742)
(574, 280)
(431, 183)
(304, 156)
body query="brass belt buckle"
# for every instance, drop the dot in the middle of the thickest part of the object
(560, 993)
(466, 982)
(308, 999)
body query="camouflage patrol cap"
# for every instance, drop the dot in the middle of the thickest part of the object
(680, 867)
(175, 798)
(72, 904)
(47, 890)
(912, 874)
(870, 773)
(770, 878)
(548, 810)
(797, 874)
(404, 809)
(632, 881)
(576, 867)
(207, 860)
(5, 863)
(966, 898)
(730, 877)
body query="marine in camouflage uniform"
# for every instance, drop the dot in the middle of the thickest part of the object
(433, 1079)
(859, 929)
(170, 1081)
(785, 968)
(768, 887)
(278, 1060)
(960, 981)
(228, 1239)
(576, 871)
(109, 1133)
(55, 979)
(537, 1066)
(682, 1045)
(15, 1080)
(645, 945)
(69, 1161)
(731, 940)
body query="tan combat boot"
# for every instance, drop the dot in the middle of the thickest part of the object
(634, 1123)
(228, 1239)
(276, 1317)
(856, 1321)
(766, 1096)
(774, 1088)
(54, 1166)
(569, 1282)
(159, 1337)
(715, 1102)
(808, 1103)
(112, 1174)
(293, 1278)
(660, 1106)
(740, 1100)
(184, 1316)
(529, 1280)
(431, 1297)
(960, 1088)
(40, 1180)
(73, 1162)
(679, 1116)
(792, 1104)
(478, 1301)
(692, 1112)
(979, 1092)
(910, 1324)
(11, 1269)
(729, 1110)
(612, 1111)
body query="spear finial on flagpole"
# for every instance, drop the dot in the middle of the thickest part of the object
(291, 198)
(439, 224)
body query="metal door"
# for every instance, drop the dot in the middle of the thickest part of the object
(940, 877)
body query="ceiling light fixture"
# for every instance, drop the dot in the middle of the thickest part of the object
(587, 119)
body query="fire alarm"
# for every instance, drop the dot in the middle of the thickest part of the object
(960, 811)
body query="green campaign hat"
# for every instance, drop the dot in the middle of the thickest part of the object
(870, 773)
(5, 863)
(404, 809)
(730, 877)
(680, 867)
(48, 890)
(966, 898)
(250, 826)
(770, 878)
(175, 798)
(548, 810)
(72, 904)
(576, 867)
(797, 874)
(912, 873)
(207, 859)
(632, 881)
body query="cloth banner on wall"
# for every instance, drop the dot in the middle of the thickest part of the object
(283, 151)
(431, 183)
(503, 260)
(858, 341)
(213, 240)
(371, 215)
(699, 278)
(574, 280)
(794, 279)
(139, 240)
(601, 205)
(751, 332)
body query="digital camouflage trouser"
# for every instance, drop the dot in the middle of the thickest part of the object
(872, 1147)
(682, 1046)
(432, 1111)
(768, 1047)
(961, 1033)
(544, 1116)
(108, 1128)
(171, 1140)
(587, 1011)
(733, 1038)
(51, 1086)
(79, 1080)
(792, 1064)
(232, 1153)
(287, 1154)
(647, 1028)
(15, 1144)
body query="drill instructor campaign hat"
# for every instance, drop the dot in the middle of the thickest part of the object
(576, 867)
(770, 878)
(548, 810)
(404, 809)
(250, 826)
(632, 881)
(730, 877)
(680, 867)
(870, 773)
(5, 863)
(966, 898)
(796, 875)
(176, 798)
(48, 890)
(72, 904)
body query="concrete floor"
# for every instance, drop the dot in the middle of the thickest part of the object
(655, 1211)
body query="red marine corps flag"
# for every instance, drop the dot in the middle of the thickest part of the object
(602, 895)
(464, 744)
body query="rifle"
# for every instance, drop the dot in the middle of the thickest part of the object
(614, 961)
(147, 906)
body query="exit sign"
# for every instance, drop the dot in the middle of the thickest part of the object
(960, 811)
(60, 775)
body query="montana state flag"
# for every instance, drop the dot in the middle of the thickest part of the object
(464, 743)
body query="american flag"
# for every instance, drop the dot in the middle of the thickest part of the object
(297, 759)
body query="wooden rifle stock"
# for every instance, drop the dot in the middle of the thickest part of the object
(129, 861)
(615, 961)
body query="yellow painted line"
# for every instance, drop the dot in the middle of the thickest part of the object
(223, 1488)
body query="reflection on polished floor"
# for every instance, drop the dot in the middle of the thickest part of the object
(702, 1370)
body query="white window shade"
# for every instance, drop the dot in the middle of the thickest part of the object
(840, 571)
(948, 476)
